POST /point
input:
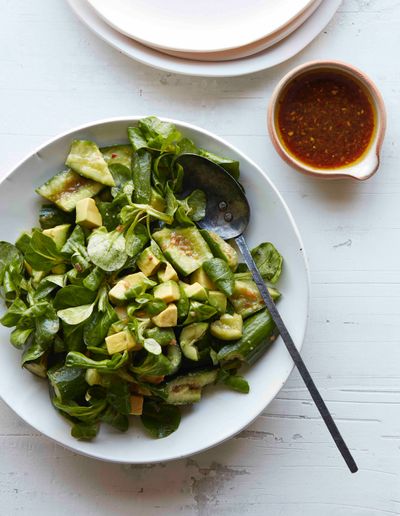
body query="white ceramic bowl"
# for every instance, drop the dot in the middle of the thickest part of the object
(221, 413)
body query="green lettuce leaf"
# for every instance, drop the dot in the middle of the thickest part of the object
(220, 273)
(107, 250)
(160, 420)
(42, 253)
(269, 261)
(76, 359)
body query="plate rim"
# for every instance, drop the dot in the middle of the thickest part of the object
(260, 45)
(228, 435)
(166, 63)
(154, 44)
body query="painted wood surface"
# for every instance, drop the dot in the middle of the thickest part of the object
(55, 75)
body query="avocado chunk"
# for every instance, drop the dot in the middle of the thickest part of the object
(201, 277)
(121, 341)
(195, 291)
(168, 273)
(220, 248)
(67, 188)
(86, 159)
(168, 318)
(168, 291)
(189, 336)
(218, 300)
(122, 313)
(228, 327)
(87, 214)
(246, 298)
(59, 234)
(187, 389)
(148, 262)
(185, 248)
(156, 201)
(130, 287)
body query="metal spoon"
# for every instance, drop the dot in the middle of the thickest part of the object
(228, 214)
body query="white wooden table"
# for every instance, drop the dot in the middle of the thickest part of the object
(55, 75)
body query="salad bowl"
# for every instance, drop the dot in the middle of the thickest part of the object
(221, 413)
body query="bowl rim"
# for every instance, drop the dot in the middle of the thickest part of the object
(375, 95)
(228, 435)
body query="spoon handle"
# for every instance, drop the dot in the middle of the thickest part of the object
(294, 353)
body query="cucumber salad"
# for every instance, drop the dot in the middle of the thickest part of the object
(119, 300)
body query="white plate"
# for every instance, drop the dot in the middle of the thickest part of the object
(252, 48)
(199, 26)
(255, 63)
(222, 413)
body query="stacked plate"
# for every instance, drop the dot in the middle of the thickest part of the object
(211, 37)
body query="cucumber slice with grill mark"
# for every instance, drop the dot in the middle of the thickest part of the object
(67, 188)
(185, 248)
(187, 389)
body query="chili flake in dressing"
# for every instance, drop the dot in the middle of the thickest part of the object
(326, 119)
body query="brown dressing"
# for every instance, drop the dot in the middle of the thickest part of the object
(326, 119)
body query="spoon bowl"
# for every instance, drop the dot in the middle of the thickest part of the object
(227, 209)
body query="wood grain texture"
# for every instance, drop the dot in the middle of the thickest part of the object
(56, 75)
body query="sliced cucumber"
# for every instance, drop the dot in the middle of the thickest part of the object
(174, 355)
(37, 367)
(118, 155)
(258, 335)
(186, 389)
(185, 248)
(50, 216)
(228, 327)
(87, 160)
(218, 300)
(67, 188)
(188, 338)
(246, 298)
